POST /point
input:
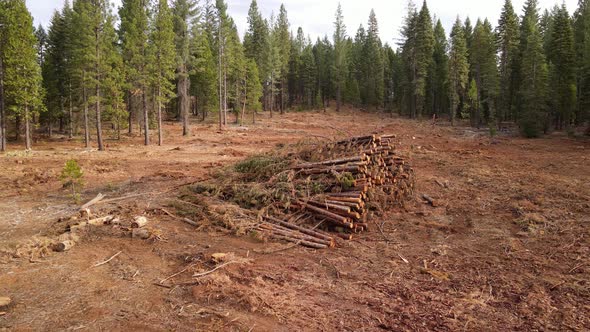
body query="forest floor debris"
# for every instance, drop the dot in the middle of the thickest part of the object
(505, 249)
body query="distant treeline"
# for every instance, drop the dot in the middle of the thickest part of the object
(173, 61)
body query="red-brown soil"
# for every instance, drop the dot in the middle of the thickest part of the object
(505, 248)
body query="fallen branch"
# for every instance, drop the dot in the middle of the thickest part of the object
(186, 220)
(108, 260)
(92, 202)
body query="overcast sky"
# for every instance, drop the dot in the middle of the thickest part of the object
(316, 16)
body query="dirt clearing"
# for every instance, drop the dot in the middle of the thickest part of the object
(504, 246)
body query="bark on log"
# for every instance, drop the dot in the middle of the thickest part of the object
(301, 229)
(139, 222)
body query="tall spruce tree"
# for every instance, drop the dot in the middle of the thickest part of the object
(283, 44)
(373, 78)
(425, 47)
(484, 73)
(20, 67)
(184, 12)
(3, 20)
(409, 49)
(562, 64)
(162, 58)
(437, 93)
(340, 51)
(458, 67)
(582, 47)
(533, 74)
(507, 39)
(55, 71)
(134, 37)
(204, 71)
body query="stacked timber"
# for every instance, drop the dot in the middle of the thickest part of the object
(353, 171)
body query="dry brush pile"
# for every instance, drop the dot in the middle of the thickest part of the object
(311, 193)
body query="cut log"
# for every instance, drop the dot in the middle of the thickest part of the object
(101, 221)
(295, 234)
(329, 206)
(304, 243)
(63, 246)
(301, 229)
(333, 217)
(4, 302)
(139, 222)
(93, 201)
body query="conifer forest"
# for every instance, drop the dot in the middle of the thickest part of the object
(161, 169)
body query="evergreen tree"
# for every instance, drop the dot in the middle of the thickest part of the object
(283, 44)
(562, 62)
(253, 90)
(484, 73)
(507, 38)
(437, 93)
(204, 72)
(162, 58)
(340, 51)
(424, 50)
(3, 20)
(533, 73)
(582, 48)
(184, 12)
(55, 75)
(20, 66)
(409, 50)
(134, 38)
(458, 67)
(373, 78)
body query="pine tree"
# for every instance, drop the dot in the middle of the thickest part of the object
(184, 12)
(283, 44)
(373, 87)
(21, 70)
(409, 51)
(424, 50)
(484, 72)
(562, 62)
(458, 67)
(3, 20)
(340, 51)
(55, 72)
(437, 93)
(204, 72)
(582, 48)
(162, 59)
(533, 73)
(253, 90)
(134, 37)
(507, 37)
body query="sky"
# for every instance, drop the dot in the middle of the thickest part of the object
(316, 17)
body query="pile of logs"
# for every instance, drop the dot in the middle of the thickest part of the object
(369, 166)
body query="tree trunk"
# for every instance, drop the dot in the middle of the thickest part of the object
(338, 96)
(86, 124)
(98, 120)
(2, 113)
(225, 94)
(97, 103)
(160, 140)
(146, 117)
(184, 100)
(129, 112)
(244, 106)
(27, 128)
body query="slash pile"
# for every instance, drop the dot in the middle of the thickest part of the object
(350, 177)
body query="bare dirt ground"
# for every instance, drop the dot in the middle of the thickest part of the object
(506, 247)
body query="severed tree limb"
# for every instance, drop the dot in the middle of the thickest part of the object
(186, 220)
(108, 260)
(93, 201)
